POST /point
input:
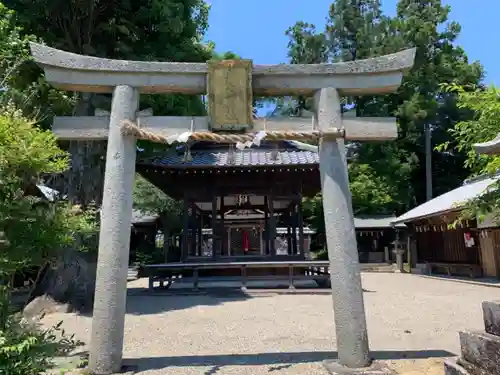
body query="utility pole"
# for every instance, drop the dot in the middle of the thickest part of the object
(428, 161)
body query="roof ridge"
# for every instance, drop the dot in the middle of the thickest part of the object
(225, 151)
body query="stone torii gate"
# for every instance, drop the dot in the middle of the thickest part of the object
(230, 85)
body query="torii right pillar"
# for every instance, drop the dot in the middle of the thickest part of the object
(347, 292)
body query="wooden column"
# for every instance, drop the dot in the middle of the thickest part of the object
(272, 225)
(266, 226)
(409, 257)
(185, 228)
(199, 240)
(301, 226)
(221, 226)
(413, 250)
(289, 231)
(193, 229)
(261, 242)
(214, 224)
(495, 256)
(294, 228)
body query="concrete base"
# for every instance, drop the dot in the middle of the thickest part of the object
(377, 368)
(451, 367)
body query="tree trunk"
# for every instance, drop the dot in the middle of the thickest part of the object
(86, 174)
(71, 278)
(86, 177)
(83, 182)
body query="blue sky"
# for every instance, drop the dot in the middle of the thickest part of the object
(255, 29)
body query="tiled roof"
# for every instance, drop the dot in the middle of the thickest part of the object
(244, 158)
(449, 201)
(139, 217)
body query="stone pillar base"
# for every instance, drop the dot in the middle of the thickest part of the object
(126, 369)
(377, 368)
(480, 350)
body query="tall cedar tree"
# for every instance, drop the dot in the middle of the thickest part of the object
(357, 29)
(164, 30)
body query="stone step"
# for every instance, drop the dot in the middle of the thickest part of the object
(451, 367)
(491, 314)
(481, 350)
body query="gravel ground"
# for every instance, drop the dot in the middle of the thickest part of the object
(265, 332)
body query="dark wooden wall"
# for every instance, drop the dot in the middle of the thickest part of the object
(438, 242)
(490, 251)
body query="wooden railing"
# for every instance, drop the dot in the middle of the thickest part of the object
(165, 274)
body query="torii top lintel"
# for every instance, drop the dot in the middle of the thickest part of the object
(75, 72)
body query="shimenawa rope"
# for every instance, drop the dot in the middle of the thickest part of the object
(129, 128)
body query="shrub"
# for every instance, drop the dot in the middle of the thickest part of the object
(33, 231)
(26, 349)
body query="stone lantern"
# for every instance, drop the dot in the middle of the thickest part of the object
(399, 250)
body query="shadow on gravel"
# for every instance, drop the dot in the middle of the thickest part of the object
(164, 301)
(141, 301)
(276, 360)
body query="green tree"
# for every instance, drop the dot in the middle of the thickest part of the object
(389, 177)
(163, 30)
(151, 200)
(306, 45)
(483, 125)
(32, 229)
(27, 228)
(353, 29)
(421, 102)
(357, 29)
(352, 32)
(33, 232)
(20, 84)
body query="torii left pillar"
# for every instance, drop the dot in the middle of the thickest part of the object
(114, 239)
